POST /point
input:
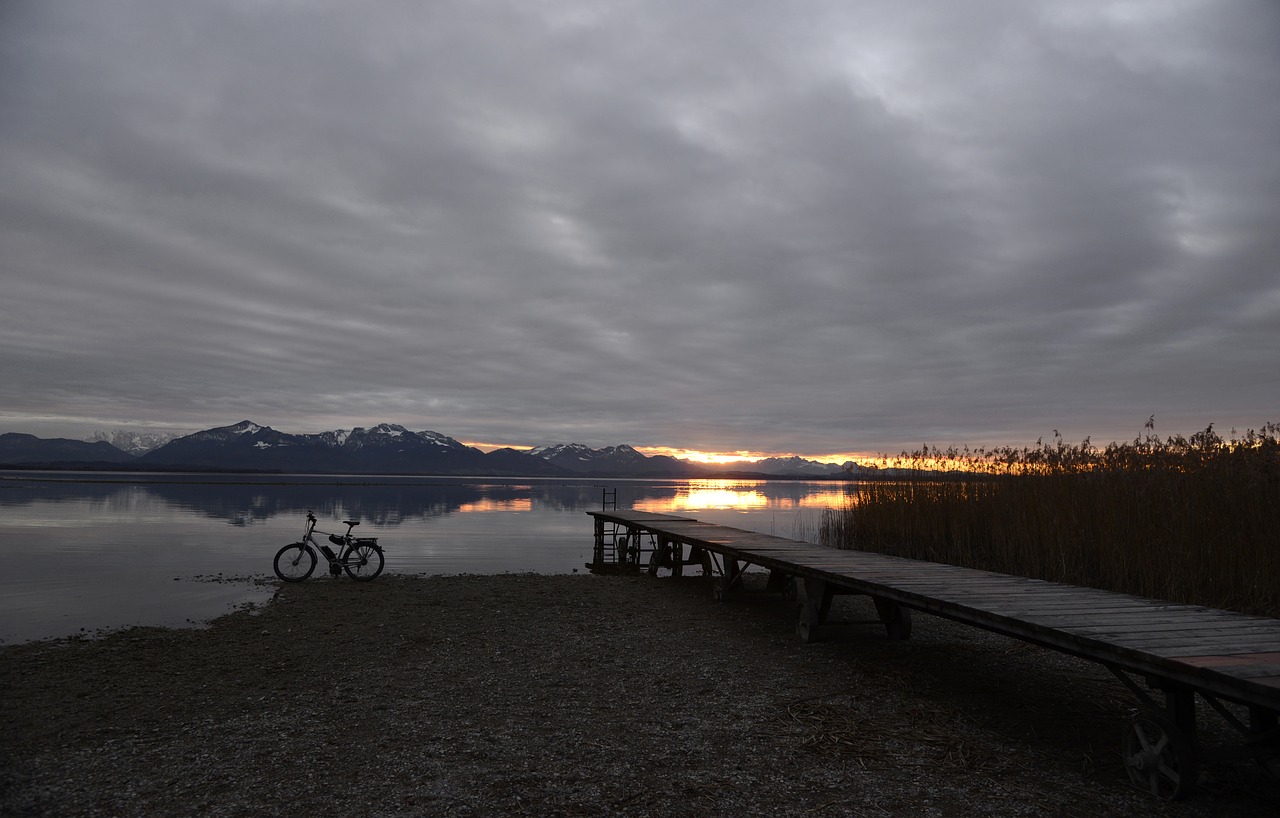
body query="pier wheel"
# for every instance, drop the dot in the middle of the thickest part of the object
(807, 623)
(1159, 758)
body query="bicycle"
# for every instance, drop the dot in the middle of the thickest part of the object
(360, 557)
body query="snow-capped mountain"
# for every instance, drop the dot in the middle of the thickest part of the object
(244, 445)
(134, 443)
(386, 448)
(386, 435)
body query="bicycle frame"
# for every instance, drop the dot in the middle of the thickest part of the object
(346, 543)
(360, 557)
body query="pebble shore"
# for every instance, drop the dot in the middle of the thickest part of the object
(573, 695)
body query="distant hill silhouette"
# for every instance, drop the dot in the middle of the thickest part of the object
(383, 449)
(29, 450)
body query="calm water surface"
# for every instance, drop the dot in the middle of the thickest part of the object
(95, 551)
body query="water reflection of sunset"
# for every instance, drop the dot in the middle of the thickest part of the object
(490, 504)
(826, 498)
(741, 496)
(695, 498)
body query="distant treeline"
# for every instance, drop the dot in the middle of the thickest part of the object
(1186, 519)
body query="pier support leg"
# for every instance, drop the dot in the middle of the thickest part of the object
(777, 581)
(896, 619)
(1180, 708)
(732, 574)
(1264, 735)
(814, 597)
(730, 579)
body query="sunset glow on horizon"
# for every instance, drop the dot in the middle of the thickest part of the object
(489, 447)
(710, 458)
(937, 462)
(700, 456)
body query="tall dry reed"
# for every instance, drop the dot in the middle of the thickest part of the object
(1187, 519)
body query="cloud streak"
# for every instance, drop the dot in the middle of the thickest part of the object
(717, 226)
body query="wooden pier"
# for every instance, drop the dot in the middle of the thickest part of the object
(1183, 653)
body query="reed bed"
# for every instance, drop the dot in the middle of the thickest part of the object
(1187, 519)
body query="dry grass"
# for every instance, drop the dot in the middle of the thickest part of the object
(1188, 519)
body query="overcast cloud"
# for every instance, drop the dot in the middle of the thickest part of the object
(779, 227)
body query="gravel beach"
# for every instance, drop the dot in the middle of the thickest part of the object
(567, 696)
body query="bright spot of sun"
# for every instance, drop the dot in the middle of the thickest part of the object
(696, 456)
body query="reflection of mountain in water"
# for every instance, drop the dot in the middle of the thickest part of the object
(249, 503)
(382, 503)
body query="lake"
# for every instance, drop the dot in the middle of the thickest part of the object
(94, 551)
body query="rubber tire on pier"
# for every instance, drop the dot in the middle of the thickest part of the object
(364, 562)
(808, 622)
(295, 562)
(661, 557)
(813, 601)
(1159, 758)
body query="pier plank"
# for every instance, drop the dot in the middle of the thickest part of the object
(1230, 655)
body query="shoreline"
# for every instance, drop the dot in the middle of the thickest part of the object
(203, 599)
(522, 694)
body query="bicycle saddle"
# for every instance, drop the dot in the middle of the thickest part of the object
(351, 522)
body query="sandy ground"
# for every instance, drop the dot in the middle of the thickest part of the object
(570, 696)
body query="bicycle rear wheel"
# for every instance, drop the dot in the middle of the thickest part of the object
(295, 562)
(363, 562)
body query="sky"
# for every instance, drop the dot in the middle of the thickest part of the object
(813, 228)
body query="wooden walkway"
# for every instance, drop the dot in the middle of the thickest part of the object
(1183, 651)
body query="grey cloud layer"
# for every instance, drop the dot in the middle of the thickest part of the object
(712, 225)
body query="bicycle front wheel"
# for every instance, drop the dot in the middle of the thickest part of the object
(363, 562)
(294, 563)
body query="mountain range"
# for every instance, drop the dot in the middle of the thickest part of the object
(134, 443)
(383, 449)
